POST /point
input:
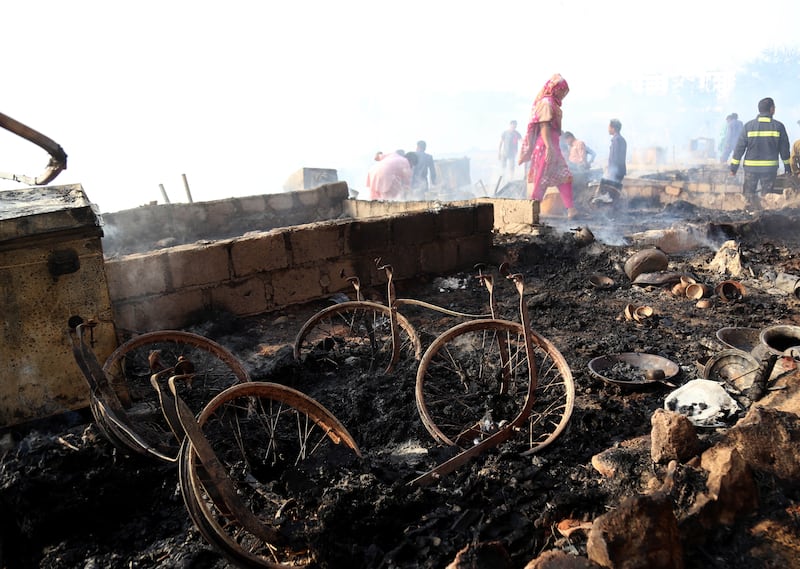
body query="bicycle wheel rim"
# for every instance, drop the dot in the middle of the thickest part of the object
(554, 397)
(355, 335)
(472, 380)
(130, 367)
(247, 442)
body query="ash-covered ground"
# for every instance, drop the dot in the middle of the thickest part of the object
(69, 499)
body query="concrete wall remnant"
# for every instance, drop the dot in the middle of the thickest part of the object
(265, 270)
(148, 228)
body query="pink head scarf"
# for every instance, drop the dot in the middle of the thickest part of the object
(555, 89)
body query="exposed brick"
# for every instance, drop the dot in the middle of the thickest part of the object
(242, 297)
(438, 257)
(699, 187)
(259, 252)
(364, 267)
(484, 218)
(162, 312)
(253, 204)
(368, 235)
(413, 229)
(334, 194)
(137, 275)
(191, 265)
(219, 214)
(474, 249)
(381, 208)
(309, 198)
(405, 264)
(339, 272)
(293, 286)
(454, 222)
(272, 269)
(510, 212)
(186, 215)
(280, 202)
(316, 241)
(373, 208)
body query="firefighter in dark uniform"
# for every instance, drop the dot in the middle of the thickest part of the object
(762, 140)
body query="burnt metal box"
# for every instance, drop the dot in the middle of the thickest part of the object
(51, 269)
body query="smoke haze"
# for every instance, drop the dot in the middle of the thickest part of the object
(240, 96)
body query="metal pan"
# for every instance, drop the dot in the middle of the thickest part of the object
(634, 370)
(735, 367)
(737, 338)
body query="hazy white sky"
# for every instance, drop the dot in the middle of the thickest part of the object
(240, 94)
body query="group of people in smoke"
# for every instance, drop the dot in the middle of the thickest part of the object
(401, 174)
(755, 146)
(550, 166)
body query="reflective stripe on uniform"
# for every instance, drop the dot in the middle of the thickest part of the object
(760, 162)
(768, 133)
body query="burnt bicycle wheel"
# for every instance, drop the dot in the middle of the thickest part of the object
(476, 377)
(355, 335)
(130, 367)
(279, 449)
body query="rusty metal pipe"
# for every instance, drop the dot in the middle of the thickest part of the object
(58, 158)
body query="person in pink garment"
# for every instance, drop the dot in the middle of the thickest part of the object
(540, 145)
(389, 178)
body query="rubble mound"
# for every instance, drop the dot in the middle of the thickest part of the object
(627, 479)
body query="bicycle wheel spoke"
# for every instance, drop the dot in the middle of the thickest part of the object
(274, 442)
(555, 396)
(472, 379)
(131, 365)
(475, 377)
(354, 335)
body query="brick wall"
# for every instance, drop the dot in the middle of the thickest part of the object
(507, 215)
(255, 254)
(264, 270)
(152, 227)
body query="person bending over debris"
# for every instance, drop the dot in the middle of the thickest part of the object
(762, 141)
(580, 156)
(390, 177)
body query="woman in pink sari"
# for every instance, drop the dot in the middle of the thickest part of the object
(540, 145)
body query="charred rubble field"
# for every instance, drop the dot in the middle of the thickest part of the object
(69, 499)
